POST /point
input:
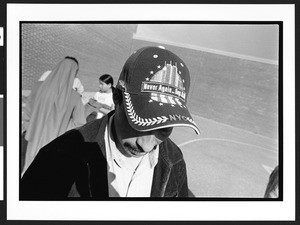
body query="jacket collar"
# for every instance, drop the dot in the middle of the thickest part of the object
(161, 176)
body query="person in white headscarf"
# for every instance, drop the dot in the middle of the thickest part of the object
(57, 108)
(26, 112)
(30, 100)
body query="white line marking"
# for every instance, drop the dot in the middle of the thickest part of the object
(225, 140)
(200, 48)
(200, 118)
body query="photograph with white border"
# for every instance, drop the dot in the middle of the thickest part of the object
(60, 210)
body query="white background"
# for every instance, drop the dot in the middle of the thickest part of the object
(149, 210)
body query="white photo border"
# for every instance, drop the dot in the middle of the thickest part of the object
(150, 210)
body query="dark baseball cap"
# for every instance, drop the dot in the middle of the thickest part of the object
(155, 84)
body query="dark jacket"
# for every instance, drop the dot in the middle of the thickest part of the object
(74, 165)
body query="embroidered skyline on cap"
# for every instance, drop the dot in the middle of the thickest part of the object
(166, 84)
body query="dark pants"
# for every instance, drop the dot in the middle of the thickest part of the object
(91, 117)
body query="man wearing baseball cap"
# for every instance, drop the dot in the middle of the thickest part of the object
(127, 153)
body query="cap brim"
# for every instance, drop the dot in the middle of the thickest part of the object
(145, 114)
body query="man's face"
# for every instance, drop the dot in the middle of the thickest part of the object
(133, 143)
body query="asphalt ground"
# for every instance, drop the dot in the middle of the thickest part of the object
(224, 161)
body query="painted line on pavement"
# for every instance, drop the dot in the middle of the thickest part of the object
(225, 140)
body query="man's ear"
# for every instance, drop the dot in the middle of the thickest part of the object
(117, 96)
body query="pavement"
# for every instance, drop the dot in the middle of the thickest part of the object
(224, 161)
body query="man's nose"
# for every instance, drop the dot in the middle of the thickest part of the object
(148, 143)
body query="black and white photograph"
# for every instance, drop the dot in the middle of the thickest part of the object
(221, 113)
(147, 111)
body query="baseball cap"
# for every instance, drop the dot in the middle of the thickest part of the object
(155, 84)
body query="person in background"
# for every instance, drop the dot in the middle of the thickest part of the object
(75, 114)
(30, 100)
(128, 152)
(56, 109)
(272, 187)
(102, 103)
(26, 113)
(77, 86)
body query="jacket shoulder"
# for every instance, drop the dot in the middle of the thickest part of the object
(80, 143)
(170, 152)
(92, 129)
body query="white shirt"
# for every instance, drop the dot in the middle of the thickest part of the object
(77, 86)
(104, 98)
(128, 177)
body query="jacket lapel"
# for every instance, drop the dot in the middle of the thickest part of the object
(161, 176)
(96, 163)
